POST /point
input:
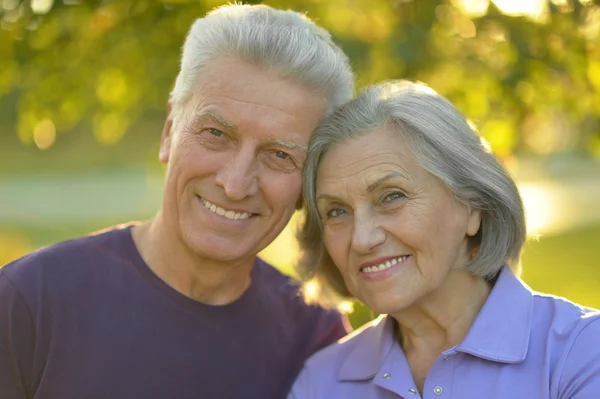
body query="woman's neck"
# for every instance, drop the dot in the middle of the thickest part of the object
(443, 318)
(439, 321)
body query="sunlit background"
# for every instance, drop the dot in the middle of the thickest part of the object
(84, 85)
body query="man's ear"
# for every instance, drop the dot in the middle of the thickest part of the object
(299, 203)
(165, 137)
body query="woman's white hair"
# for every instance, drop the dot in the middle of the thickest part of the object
(283, 39)
(447, 147)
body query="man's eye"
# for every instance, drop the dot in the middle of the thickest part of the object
(282, 155)
(215, 132)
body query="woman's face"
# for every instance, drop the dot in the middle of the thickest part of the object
(392, 229)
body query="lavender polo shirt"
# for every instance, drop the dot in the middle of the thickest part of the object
(523, 344)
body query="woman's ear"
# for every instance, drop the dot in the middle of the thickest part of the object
(473, 221)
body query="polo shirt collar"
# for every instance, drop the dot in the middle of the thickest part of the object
(502, 328)
(500, 332)
(376, 340)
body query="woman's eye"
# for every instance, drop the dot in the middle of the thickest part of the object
(393, 197)
(333, 213)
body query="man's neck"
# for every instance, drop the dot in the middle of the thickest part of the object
(204, 280)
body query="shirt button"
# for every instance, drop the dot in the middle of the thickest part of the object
(412, 391)
(386, 376)
(438, 390)
(446, 357)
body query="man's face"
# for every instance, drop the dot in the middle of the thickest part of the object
(235, 153)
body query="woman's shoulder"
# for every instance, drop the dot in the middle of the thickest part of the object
(336, 353)
(562, 317)
(355, 356)
(572, 344)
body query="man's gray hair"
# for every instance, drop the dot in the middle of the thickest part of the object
(283, 39)
(447, 147)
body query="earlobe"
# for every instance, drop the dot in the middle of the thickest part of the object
(299, 203)
(474, 221)
(165, 139)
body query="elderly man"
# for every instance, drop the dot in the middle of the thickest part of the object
(180, 306)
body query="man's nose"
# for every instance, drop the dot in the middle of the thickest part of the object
(239, 177)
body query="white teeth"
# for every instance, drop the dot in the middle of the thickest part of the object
(224, 212)
(384, 265)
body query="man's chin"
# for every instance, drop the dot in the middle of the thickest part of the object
(221, 250)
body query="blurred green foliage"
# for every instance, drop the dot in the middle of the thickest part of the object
(91, 74)
(84, 84)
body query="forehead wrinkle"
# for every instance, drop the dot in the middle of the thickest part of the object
(367, 167)
(278, 142)
(290, 119)
(345, 176)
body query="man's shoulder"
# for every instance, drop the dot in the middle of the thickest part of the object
(271, 277)
(282, 295)
(66, 256)
(282, 289)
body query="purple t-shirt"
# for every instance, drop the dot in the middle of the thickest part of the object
(88, 319)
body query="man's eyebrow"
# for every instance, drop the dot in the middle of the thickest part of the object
(287, 144)
(222, 121)
(217, 118)
(383, 179)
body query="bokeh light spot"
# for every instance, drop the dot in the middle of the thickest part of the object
(472, 8)
(109, 128)
(111, 87)
(500, 136)
(41, 7)
(44, 134)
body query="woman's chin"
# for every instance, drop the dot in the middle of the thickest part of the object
(386, 305)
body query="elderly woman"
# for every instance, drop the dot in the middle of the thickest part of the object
(409, 212)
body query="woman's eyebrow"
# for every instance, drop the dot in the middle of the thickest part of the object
(327, 197)
(383, 179)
